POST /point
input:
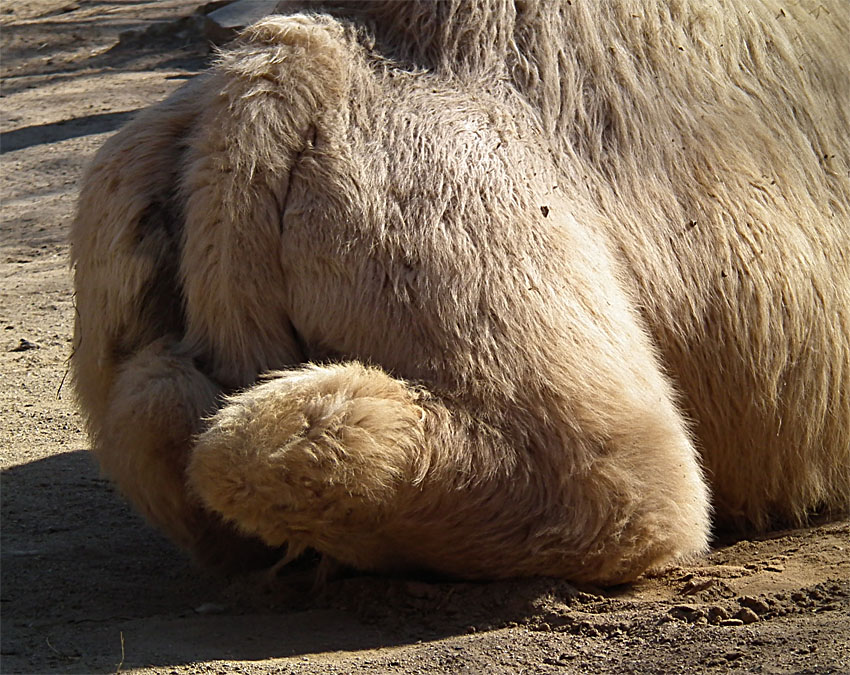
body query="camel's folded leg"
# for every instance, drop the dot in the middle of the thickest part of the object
(380, 475)
(142, 399)
(156, 404)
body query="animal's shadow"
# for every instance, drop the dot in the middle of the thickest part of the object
(78, 565)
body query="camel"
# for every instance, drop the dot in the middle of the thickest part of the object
(480, 287)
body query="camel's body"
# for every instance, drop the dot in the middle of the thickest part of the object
(548, 257)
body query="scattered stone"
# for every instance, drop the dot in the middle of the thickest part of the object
(689, 613)
(747, 615)
(210, 608)
(25, 346)
(758, 605)
(696, 584)
(214, 22)
(731, 622)
(719, 572)
(222, 25)
(716, 614)
(419, 589)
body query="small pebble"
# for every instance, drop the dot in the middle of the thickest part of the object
(25, 345)
(421, 590)
(717, 614)
(758, 605)
(731, 622)
(210, 608)
(686, 612)
(747, 615)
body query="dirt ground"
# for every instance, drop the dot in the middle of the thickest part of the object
(87, 587)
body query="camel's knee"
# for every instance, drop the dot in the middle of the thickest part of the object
(655, 510)
(639, 502)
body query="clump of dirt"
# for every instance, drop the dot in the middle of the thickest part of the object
(87, 587)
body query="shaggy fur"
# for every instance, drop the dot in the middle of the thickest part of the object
(483, 287)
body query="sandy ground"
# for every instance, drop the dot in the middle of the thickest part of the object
(89, 588)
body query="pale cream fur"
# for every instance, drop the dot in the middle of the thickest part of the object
(492, 288)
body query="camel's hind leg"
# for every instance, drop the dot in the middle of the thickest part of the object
(360, 466)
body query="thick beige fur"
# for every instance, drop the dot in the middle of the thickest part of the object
(483, 287)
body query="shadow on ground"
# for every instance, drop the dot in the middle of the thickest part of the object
(87, 125)
(78, 566)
